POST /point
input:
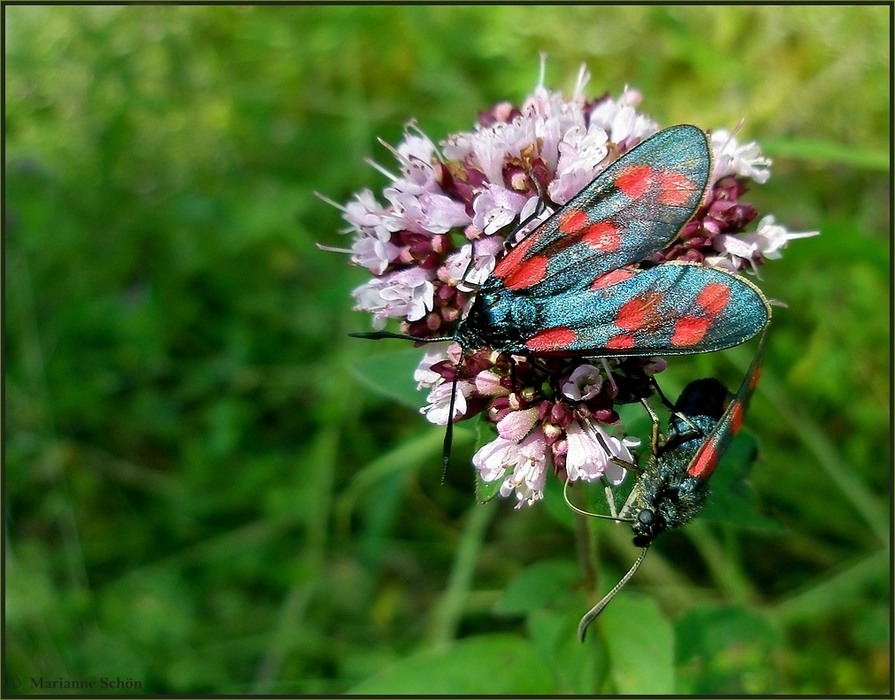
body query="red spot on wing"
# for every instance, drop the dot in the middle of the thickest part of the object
(514, 258)
(630, 315)
(602, 236)
(641, 312)
(635, 181)
(551, 339)
(572, 221)
(675, 188)
(623, 341)
(753, 380)
(528, 273)
(612, 277)
(704, 462)
(690, 330)
(736, 418)
(714, 298)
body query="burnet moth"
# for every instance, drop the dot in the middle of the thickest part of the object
(577, 285)
(673, 487)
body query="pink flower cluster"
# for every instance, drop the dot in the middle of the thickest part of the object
(443, 229)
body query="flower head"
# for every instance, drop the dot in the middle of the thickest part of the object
(451, 212)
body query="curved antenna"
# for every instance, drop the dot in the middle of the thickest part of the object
(565, 495)
(598, 608)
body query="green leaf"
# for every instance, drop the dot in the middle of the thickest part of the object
(495, 664)
(391, 375)
(485, 490)
(724, 650)
(537, 586)
(641, 646)
(554, 633)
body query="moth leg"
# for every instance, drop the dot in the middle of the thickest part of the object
(536, 214)
(624, 513)
(665, 400)
(609, 494)
(615, 460)
(469, 265)
(695, 431)
(656, 440)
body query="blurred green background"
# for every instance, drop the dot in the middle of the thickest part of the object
(202, 497)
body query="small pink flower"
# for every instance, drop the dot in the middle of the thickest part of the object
(587, 458)
(734, 159)
(585, 383)
(424, 213)
(517, 424)
(466, 273)
(438, 402)
(737, 246)
(374, 252)
(496, 208)
(495, 458)
(771, 237)
(424, 376)
(526, 460)
(407, 293)
(489, 383)
(623, 125)
(364, 212)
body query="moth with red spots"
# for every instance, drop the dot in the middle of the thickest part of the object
(573, 285)
(673, 487)
(577, 285)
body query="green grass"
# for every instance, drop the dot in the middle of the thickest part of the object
(200, 494)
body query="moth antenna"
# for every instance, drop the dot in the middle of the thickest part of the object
(449, 432)
(565, 495)
(598, 608)
(379, 335)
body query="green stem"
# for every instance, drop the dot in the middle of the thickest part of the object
(449, 609)
(724, 569)
(834, 592)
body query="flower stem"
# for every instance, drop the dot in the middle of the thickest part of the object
(587, 544)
